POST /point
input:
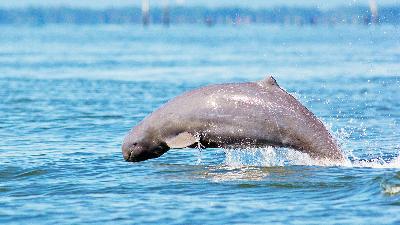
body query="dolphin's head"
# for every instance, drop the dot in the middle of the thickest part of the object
(139, 146)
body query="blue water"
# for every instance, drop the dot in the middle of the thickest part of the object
(69, 94)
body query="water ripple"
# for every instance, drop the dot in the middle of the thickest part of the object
(68, 101)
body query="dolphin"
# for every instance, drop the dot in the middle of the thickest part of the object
(235, 115)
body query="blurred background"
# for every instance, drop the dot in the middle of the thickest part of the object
(208, 12)
(162, 37)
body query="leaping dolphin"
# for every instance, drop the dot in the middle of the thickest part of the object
(253, 114)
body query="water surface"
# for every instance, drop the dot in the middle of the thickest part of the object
(70, 94)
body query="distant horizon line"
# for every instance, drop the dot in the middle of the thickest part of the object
(339, 6)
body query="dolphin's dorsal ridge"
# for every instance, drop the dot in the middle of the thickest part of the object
(268, 81)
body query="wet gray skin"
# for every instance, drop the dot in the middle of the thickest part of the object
(254, 114)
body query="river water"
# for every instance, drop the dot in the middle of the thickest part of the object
(69, 94)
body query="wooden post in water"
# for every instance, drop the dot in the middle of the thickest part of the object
(165, 15)
(145, 12)
(373, 6)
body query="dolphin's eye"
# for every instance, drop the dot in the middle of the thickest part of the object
(132, 145)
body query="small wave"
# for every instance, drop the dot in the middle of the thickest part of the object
(4, 189)
(99, 117)
(391, 189)
(22, 100)
(32, 173)
(391, 184)
(228, 173)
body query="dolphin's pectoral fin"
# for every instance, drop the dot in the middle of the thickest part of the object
(268, 81)
(181, 140)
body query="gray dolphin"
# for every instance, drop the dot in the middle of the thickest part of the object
(253, 114)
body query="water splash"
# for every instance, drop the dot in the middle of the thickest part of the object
(370, 156)
(269, 157)
(377, 162)
(272, 157)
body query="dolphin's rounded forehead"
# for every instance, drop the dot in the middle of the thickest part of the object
(139, 133)
(131, 137)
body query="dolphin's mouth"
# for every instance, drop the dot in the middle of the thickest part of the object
(145, 155)
(132, 157)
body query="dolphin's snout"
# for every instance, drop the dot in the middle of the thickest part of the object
(136, 152)
(133, 152)
(127, 150)
(126, 154)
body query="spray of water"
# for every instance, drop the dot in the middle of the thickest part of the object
(271, 157)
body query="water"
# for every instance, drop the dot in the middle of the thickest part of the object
(69, 94)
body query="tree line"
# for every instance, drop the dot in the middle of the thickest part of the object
(209, 16)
